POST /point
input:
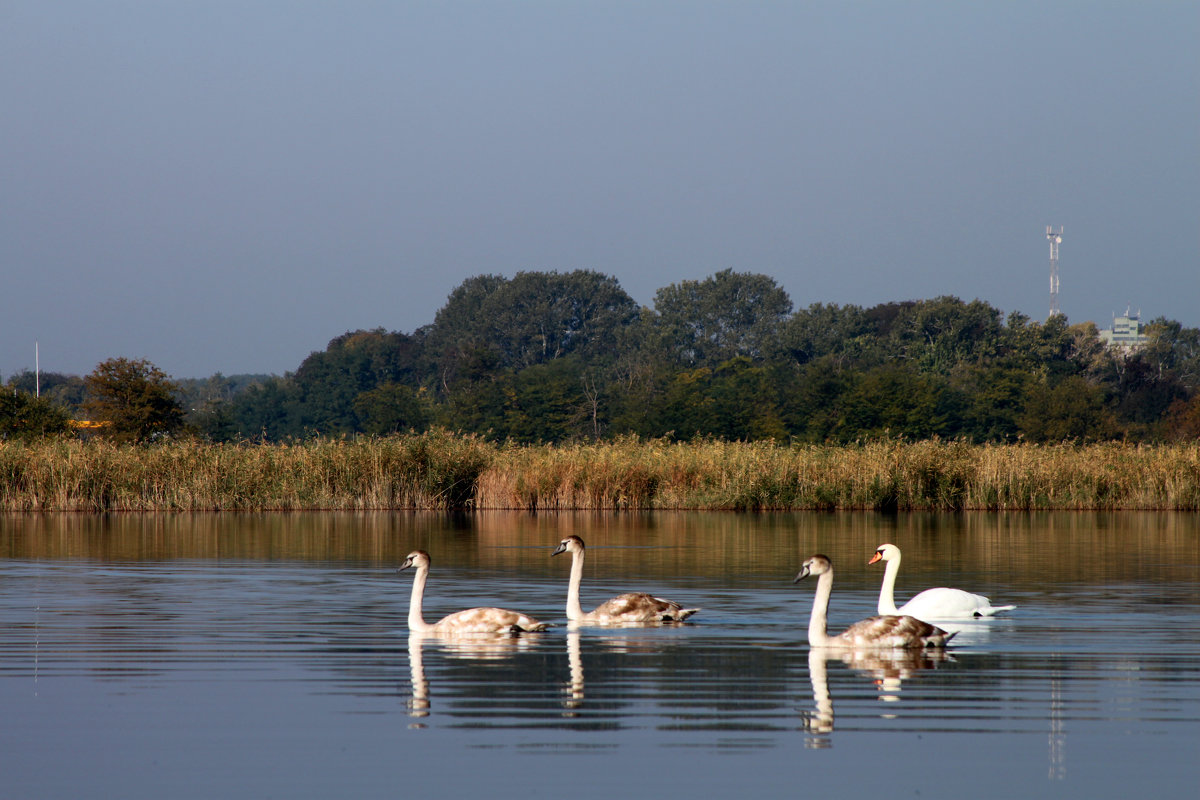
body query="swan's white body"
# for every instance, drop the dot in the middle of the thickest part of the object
(931, 604)
(873, 632)
(472, 620)
(624, 608)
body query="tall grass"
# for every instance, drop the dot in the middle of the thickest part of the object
(436, 470)
(440, 470)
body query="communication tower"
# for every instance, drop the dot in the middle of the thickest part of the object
(1055, 240)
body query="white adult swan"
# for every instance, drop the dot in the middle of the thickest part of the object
(931, 604)
(630, 607)
(472, 620)
(884, 631)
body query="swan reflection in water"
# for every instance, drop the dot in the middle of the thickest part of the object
(888, 668)
(573, 689)
(970, 632)
(418, 703)
(476, 646)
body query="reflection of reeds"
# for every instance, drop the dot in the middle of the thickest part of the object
(667, 550)
(441, 470)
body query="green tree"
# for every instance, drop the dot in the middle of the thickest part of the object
(209, 403)
(993, 400)
(1138, 393)
(939, 334)
(547, 403)
(491, 324)
(538, 317)
(456, 337)
(899, 401)
(1050, 349)
(813, 397)
(133, 399)
(637, 378)
(391, 408)
(266, 410)
(327, 384)
(64, 390)
(23, 416)
(739, 400)
(543, 403)
(1182, 422)
(1070, 410)
(1174, 349)
(827, 330)
(726, 315)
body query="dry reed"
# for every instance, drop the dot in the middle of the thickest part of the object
(440, 470)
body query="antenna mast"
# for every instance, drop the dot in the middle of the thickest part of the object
(1055, 240)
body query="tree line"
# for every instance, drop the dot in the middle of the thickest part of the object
(564, 357)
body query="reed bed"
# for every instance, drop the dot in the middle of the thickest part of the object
(440, 470)
(431, 471)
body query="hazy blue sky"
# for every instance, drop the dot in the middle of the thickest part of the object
(226, 186)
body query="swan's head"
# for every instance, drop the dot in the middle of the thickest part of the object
(417, 558)
(885, 552)
(571, 544)
(817, 565)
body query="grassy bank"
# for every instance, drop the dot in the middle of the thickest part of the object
(440, 470)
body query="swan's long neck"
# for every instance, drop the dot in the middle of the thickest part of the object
(817, 623)
(574, 610)
(416, 621)
(887, 597)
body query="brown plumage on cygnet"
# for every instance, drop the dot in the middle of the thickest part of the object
(630, 607)
(884, 631)
(472, 620)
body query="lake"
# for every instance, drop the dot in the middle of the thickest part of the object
(266, 655)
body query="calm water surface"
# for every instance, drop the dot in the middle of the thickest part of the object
(147, 656)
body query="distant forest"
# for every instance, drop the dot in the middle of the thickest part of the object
(562, 357)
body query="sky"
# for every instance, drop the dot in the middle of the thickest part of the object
(226, 186)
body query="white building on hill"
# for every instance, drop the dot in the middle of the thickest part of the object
(1125, 333)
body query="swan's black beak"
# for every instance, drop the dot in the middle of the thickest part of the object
(802, 575)
(407, 563)
(562, 548)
